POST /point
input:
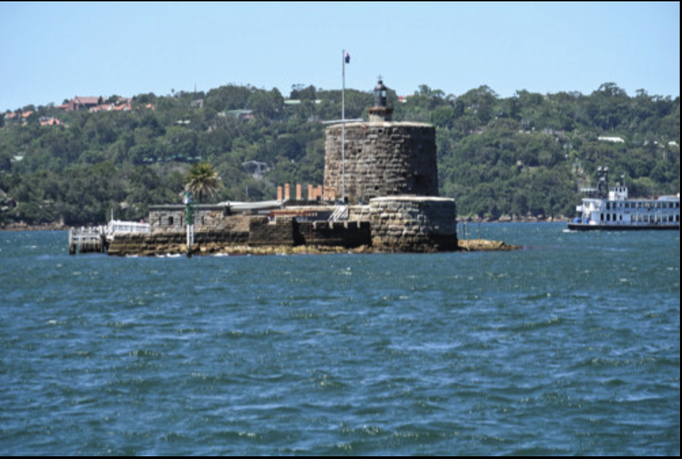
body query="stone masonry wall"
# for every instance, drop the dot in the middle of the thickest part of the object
(413, 224)
(173, 242)
(172, 218)
(281, 232)
(349, 235)
(382, 159)
(261, 232)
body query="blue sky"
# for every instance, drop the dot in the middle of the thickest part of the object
(54, 51)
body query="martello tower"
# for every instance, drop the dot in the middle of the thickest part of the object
(382, 157)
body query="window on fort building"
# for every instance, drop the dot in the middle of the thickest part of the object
(170, 221)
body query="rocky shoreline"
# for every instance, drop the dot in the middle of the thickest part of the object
(472, 245)
(21, 226)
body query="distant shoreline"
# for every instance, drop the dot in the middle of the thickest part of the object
(16, 227)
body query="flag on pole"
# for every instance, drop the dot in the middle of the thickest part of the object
(346, 57)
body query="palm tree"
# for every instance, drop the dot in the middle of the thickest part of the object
(203, 179)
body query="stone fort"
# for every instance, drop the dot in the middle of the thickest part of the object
(385, 174)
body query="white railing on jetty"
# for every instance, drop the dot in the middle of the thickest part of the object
(96, 239)
(118, 227)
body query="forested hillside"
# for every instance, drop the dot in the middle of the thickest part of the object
(526, 155)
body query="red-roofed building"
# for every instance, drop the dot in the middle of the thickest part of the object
(123, 104)
(78, 103)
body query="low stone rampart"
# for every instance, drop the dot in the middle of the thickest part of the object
(348, 234)
(413, 224)
(284, 232)
(174, 242)
(281, 232)
(409, 224)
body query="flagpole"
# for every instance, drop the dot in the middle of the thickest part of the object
(343, 127)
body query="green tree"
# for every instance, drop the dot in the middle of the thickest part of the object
(202, 179)
(267, 104)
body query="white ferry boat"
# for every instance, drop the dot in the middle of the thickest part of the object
(618, 212)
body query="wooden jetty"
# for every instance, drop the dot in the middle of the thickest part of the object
(87, 240)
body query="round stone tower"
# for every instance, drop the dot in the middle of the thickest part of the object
(381, 157)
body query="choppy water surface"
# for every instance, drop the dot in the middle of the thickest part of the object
(571, 346)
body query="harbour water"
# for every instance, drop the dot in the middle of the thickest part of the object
(570, 346)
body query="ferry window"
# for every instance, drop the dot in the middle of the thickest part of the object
(601, 217)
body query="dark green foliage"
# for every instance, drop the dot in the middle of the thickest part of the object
(527, 154)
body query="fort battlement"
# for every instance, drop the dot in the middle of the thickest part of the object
(388, 224)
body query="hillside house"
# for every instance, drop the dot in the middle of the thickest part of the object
(49, 121)
(79, 103)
